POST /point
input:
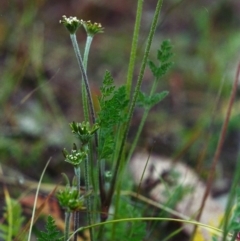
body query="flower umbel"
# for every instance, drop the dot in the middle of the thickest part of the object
(72, 23)
(92, 28)
(70, 199)
(75, 157)
(84, 131)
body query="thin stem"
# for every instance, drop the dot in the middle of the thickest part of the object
(134, 47)
(120, 163)
(67, 225)
(132, 106)
(234, 236)
(220, 143)
(231, 199)
(35, 201)
(85, 61)
(77, 171)
(86, 52)
(193, 222)
(139, 131)
(84, 75)
(88, 198)
(143, 120)
(101, 233)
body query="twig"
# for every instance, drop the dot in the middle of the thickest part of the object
(219, 146)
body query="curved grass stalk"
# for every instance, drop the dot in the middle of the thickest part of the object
(214, 230)
(35, 200)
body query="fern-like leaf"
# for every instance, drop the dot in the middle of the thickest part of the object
(163, 55)
(149, 101)
(52, 233)
(112, 103)
(130, 231)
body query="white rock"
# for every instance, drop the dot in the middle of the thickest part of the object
(163, 179)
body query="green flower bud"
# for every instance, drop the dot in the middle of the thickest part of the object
(92, 28)
(72, 23)
(70, 199)
(83, 131)
(75, 157)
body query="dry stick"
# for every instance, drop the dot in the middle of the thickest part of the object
(219, 146)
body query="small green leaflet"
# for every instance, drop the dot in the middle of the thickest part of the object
(149, 101)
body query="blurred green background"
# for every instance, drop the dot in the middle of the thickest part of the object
(40, 80)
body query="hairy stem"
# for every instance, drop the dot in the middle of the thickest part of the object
(133, 103)
(88, 198)
(67, 225)
(134, 47)
(143, 120)
(76, 215)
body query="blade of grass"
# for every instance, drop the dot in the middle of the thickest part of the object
(24, 230)
(35, 201)
(215, 230)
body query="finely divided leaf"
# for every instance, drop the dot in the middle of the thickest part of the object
(112, 105)
(149, 101)
(52, 233)
(163, 55)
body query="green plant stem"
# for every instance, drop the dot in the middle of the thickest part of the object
(86, 52)
(77, 171)
(85, 61)
(76, 216)
(231, 199)
(84, 75)
(143, 120)
(134, 47)
(67, 225)
(139, 131)
(86, 101)
(120, 161)
(234, 236)
(101, 233)
(88, 198)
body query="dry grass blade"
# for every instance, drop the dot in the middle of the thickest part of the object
(220, 144)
